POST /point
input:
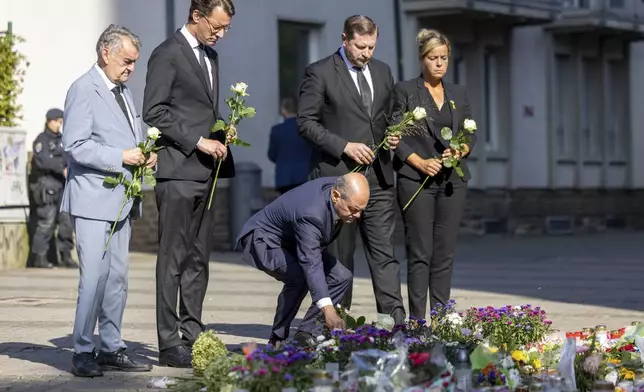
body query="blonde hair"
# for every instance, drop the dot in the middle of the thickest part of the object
(428, 40)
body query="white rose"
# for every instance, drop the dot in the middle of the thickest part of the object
(507, 362)
(419, 113)
(239, 88)
(469, 125)
(153, 133)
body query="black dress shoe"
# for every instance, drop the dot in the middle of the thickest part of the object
(121, 362)
(177, 356)
(276, 342)
(40, 261)
(85, 365)
(305, 339)
(66, 260)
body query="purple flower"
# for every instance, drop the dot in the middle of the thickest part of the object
(288, 377)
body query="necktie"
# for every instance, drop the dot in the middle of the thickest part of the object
(204, 68)
(365, 90)
(119, 99)
(337, 226)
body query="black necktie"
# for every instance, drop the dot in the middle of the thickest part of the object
(365, 90)
(119, 99)
(204, 67)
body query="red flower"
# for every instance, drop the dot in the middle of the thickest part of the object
(418, 359)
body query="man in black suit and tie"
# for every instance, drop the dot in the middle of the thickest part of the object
(288, 240)
(181, 99)
(344, 103)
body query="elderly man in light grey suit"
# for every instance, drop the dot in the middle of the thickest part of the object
(102, 130)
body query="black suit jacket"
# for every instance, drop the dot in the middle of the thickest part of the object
(429, 143)
(331, 113)
(176, 101)
(301, 222)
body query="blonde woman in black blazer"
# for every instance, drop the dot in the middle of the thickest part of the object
(432, 220)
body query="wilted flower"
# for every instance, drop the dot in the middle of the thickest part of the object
(591, 364)
(419, 113)
(239, 88)
(153, 133)
(469, 125)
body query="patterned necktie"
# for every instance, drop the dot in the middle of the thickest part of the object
(365, 90)
(204, 68)
(119, 99)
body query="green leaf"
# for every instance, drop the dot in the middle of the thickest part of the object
(150, 180)
(446, 133)
(241, 143)
(112, 181)
(141, 145)
(121, 177)
(136, 187)
(447, 163)
(351, 322)
(247, 112)
(361, 320)
(454, 145)
(220, 125)
(155, 149)
(459, 171)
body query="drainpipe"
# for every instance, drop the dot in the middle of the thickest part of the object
(169, 18)
(398, 32)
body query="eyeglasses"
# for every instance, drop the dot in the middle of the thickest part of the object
(215, 29)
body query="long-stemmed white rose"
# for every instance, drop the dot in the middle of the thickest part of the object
(140, 174)
(459, 145)
(238, 110)
(401, 129)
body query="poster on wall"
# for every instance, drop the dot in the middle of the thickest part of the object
(13, 168)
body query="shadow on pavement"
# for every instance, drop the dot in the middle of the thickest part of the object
(595, 269)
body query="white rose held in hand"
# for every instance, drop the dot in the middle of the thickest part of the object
(419, 113)
(154, 133)
(469, 125)
(238, 110)
(240, 88)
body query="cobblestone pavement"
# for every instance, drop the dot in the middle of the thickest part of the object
(580, 281)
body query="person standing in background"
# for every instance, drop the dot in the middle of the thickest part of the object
(288, 151)
(47, 181)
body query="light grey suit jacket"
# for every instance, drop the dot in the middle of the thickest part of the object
(95, 135)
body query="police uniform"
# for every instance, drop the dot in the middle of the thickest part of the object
(47, 181)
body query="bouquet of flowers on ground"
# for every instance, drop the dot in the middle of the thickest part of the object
(140, 175)
(404, 127)
(457, 144)
(238, 110)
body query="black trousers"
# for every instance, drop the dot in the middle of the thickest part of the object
(377, 231)
(431, 229)
(338, 279)
(48, 217)
(185, 232)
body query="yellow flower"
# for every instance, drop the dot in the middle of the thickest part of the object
(614, 361)
(519, 356)
(536, 364)
(627, 374)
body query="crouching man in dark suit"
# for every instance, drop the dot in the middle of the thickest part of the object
(288, 241)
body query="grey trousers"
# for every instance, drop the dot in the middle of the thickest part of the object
(102, 289)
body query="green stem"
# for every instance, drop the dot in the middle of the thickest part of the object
(357, 168)
(416, 194)
(214, 184)
(118, 217)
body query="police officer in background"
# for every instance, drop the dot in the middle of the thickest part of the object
(47, 180)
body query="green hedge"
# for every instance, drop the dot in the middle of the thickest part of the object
(12, 71)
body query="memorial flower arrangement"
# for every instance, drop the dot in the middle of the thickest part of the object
(508, 347)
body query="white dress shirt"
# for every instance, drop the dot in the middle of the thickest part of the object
(354, 73)
(110, 85)
(194, 44)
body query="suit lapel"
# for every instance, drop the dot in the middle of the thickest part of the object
(108, 97)
(341, 68)
(192, 59)
(425, 100)
(378, 89)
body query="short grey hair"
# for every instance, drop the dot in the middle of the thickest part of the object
(342, 185)
(111, 39)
